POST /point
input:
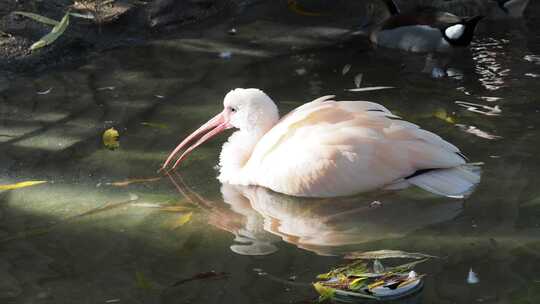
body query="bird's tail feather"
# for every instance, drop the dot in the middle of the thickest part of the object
(456, 182)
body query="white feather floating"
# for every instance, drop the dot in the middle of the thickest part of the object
(366, 89)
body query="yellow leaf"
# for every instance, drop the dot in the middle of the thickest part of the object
(21, 185)
(110, 139)
(443, 115)
(184, 219)
(56, 32)
(38, 18)
(325, 292)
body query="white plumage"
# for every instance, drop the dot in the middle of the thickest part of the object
(329, 148)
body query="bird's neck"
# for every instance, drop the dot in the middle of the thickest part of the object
(235, 154)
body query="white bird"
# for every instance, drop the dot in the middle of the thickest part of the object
(328, 148)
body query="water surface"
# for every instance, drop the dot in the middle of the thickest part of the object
(81, 239)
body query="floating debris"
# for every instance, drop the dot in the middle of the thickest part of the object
(443, 115)
(110, 88)
(232, 31)
(357, 281)
(21, 185)
(182, 220)
(358, 79)
(301, 71)
(111, 139)
(203, 275)
(44, 92)
(472, 277)
(112, 301)
(154, 125)
(475, 131)
(532, 75)
(366, 89)
(375, 204)
(159, 96)
(474, 107)
(225, 55)
(133, 181)
(346, 69)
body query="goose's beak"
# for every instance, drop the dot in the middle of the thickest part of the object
(210, 129)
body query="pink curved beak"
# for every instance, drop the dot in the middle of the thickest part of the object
(210, 129)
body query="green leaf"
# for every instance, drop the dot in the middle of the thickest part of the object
(357, 283)
(55, 33)
(325, 293)
(387, 254)
(38, 18)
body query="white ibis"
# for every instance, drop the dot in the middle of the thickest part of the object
(328, 148)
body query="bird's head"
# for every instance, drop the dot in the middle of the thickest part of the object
(249, 110)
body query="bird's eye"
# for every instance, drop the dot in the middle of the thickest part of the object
(233, 110)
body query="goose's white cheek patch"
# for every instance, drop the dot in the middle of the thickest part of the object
(455, 32)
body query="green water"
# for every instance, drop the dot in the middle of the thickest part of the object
(81, 239)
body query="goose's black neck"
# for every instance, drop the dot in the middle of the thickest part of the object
(467, 36)
(392, 7)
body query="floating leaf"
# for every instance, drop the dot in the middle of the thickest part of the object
(38, 18)
(357, 283)
(443, 115)
(155, 125)
(21, 185)
(133, 181)
(56, 32)
(387, 254)
(111, 139)
(366, 89)
(142, 282)
(325, 293)
(182, 220)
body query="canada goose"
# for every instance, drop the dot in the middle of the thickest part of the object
(426, 31)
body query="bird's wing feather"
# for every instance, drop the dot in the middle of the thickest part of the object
(328, 148)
